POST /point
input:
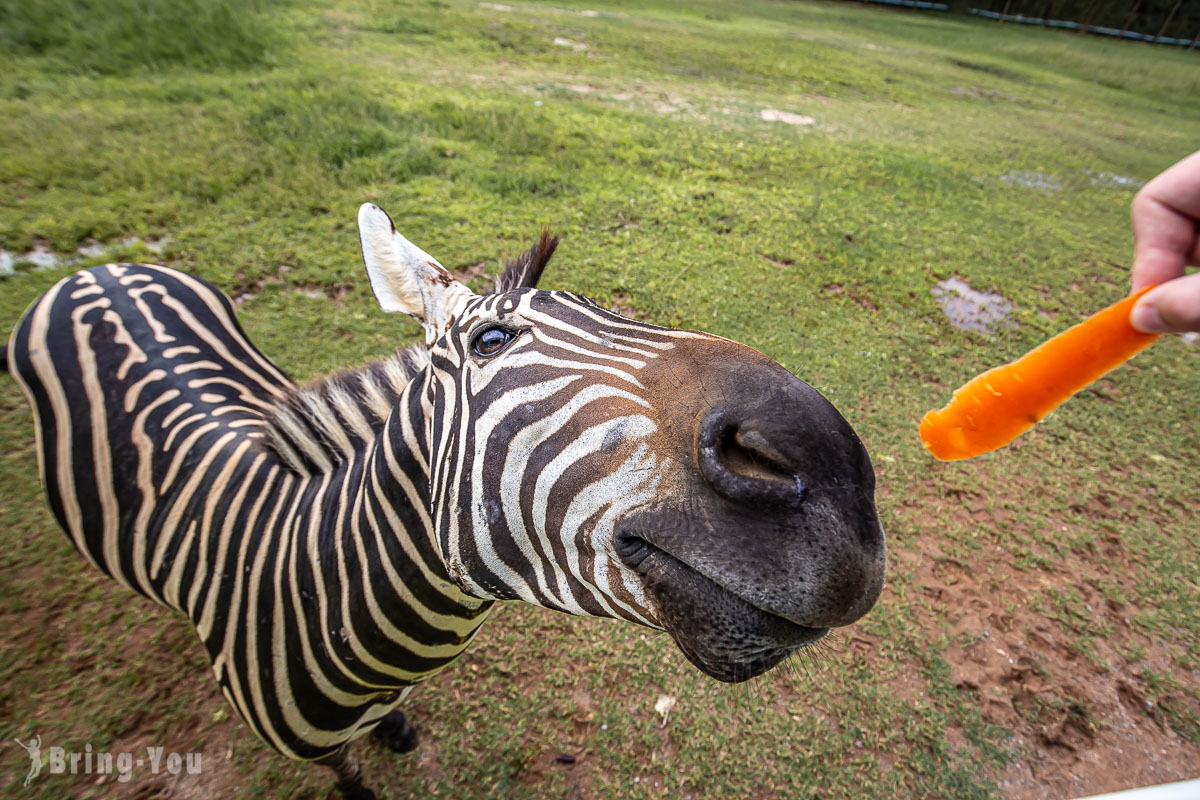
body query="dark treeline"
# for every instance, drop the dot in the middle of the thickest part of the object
(1175, 19)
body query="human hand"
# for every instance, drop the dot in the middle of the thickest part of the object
(1166, 233)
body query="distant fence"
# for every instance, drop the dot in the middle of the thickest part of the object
(913, 4)
(1177, 22)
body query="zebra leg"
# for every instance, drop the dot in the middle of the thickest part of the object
(348, 774)
(396, 733)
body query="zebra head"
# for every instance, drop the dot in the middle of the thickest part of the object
(597, 465)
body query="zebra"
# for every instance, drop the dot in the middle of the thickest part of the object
(338, 543)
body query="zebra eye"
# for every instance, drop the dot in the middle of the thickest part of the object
(490, 341)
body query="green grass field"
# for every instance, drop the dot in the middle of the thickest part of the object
(1040, 633)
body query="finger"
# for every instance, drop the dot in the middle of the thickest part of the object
(1164, 215)
(1174, 306)
(1164, 240)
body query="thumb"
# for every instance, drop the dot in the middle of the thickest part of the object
(1172, 307)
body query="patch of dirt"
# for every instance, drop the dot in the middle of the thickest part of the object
(623, 305)
(333, 291)
(215, 774)
(1079, 708)
(474, 275)
(779, 261)
(857, 294)
(983, 94)
(548, 763)
(177, 710)
(788, 117)
(247, 289)
(665, 100)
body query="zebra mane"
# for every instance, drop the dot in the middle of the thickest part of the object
(322, 424)
(325, 423)
(525, 272)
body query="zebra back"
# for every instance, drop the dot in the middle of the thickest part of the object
(144, 388)
(183, 463)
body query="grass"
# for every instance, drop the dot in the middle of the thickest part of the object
(250, 140)
(117, 36)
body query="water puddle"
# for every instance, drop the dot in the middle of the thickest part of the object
(1049, 182)
(42, 257)
(1111, 180)
(1031, 179)
(969, 309)
(155, 246)
(92, 250)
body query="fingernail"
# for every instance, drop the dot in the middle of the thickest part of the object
(1145, 318)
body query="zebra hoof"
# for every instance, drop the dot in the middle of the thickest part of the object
(396, 733)
(359, 794)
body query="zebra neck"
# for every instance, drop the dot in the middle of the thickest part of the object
(399, 618)
(398, 485)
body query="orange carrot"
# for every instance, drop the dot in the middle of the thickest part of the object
(998, 406)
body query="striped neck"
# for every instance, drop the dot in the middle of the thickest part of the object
(389, 612)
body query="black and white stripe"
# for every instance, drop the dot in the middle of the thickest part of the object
(336, 544)
(296, 526)
(319, 594)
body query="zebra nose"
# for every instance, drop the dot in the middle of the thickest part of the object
(739, 461)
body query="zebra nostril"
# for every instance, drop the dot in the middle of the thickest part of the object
(739, 463)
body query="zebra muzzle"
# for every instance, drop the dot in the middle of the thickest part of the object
(719, 632)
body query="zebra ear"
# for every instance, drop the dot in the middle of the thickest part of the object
(404, 277)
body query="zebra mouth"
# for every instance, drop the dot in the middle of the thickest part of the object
(721, 633)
